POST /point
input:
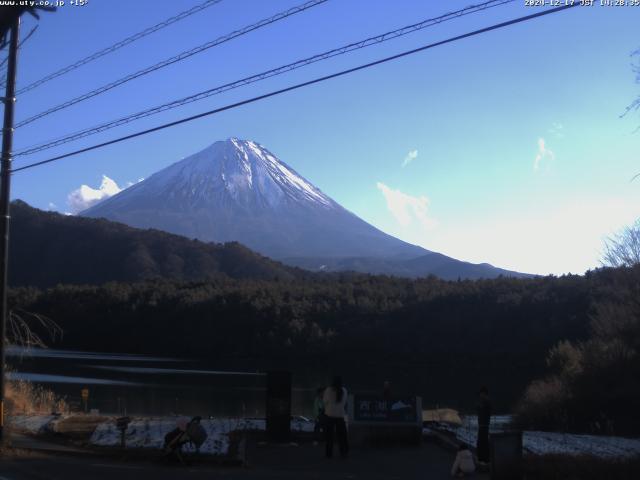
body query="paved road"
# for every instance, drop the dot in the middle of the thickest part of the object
(28, 442)
(269, 463)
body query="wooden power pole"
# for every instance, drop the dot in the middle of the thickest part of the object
(5, 191)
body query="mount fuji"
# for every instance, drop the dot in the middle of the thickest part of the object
(237, 190)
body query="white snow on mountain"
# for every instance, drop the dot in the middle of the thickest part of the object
(282, 174)
(297, 181)
(237, 190)
(242, 170)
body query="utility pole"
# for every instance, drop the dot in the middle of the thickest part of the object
(5, 191)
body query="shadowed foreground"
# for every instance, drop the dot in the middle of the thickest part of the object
(269, 462)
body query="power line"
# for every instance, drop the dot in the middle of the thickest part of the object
(22, 42)
(120, 44)
(6, 60)
(261, 76)
(300, 85)
(176, 58)
(27, 36)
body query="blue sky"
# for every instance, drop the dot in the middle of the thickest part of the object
(505, 148)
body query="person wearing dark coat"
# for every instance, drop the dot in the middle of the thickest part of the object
(484, 419)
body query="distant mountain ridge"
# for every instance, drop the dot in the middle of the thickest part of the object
(237, 190)
(432, 263)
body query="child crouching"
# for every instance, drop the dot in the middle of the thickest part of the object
(463, 464)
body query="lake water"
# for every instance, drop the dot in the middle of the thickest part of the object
(138, 384)
(151, 385)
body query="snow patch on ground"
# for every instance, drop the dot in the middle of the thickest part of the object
(33, 424)
(545, 443)
(302, 424)
(150, 432)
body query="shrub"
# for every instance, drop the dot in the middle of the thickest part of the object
(593, 385)
(26, 398)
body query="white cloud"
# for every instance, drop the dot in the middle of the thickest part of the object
(405, 208)
(85, 196)
(130, 183)
(544, 153)
(410, 157)
(52, 206)
(557, 130)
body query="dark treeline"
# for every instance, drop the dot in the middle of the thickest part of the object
(593, 384)
(437, 338)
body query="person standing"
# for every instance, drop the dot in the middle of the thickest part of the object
(335, 400)
(484, 419)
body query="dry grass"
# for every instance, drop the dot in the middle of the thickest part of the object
(26, 398)
(79, 427)
(447, 415)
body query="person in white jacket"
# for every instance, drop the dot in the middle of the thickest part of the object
(335, 400)
(464, 464)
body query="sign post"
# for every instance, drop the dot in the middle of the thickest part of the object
(85, 398)
(121, 424)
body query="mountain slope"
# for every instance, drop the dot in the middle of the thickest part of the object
(48, 248)
(236, 190)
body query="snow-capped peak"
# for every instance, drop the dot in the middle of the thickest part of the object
(257, 161)
(237, 190)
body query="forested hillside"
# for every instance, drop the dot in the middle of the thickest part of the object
(593, 385)
(48, 248)
(441, 338)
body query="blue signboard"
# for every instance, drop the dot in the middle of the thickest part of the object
(368, 408)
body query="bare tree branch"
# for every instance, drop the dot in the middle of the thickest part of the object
(623, 248)
(23, 328)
